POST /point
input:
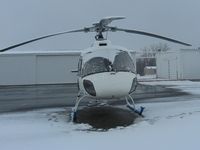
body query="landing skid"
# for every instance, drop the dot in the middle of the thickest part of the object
(73, 116)
(137, 111)
(131, 105)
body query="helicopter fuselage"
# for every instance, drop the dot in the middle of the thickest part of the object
(106, 71)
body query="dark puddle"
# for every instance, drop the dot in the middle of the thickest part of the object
(105, 117)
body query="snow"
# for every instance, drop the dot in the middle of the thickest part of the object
(44, 52)
(150, 67)
(166, 126)
(146, 77)
(192, 87)
(186, 85)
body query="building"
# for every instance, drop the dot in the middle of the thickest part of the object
(25, 68)
(179, 65)
(150, 70)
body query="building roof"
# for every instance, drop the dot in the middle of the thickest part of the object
(60, 52)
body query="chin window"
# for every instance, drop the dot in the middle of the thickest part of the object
(89, 87)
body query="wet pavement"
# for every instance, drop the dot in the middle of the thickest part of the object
(28, 97)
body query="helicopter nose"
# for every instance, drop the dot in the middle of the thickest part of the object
(109, 85)
(89, 87)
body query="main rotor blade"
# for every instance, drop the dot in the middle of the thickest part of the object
(107, 20)
(40, 38)
(149, 34)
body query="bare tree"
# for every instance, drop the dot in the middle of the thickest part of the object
(153, 49)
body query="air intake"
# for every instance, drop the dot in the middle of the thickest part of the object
(102, 44)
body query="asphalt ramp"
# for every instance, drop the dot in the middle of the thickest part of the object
(106, 117)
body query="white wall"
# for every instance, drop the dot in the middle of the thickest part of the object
(182, 64)
(17, 69)
(56, 69)
(190, 60)
(161, 66)
(167, 65)
(38, 68)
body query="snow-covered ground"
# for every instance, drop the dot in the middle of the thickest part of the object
(166, 126)
(186, 86)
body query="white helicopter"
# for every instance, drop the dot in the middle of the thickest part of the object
(105, 71)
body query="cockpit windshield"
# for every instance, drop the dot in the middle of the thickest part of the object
(122, 62)
(95, 65)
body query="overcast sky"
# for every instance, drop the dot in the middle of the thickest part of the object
(22, 20)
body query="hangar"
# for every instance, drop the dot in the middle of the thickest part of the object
(26, 68)
(179, 65)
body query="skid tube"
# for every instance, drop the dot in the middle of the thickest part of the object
(131, 105)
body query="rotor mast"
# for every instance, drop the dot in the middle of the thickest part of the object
(101, 26)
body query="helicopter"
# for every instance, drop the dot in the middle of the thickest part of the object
(105, 71)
